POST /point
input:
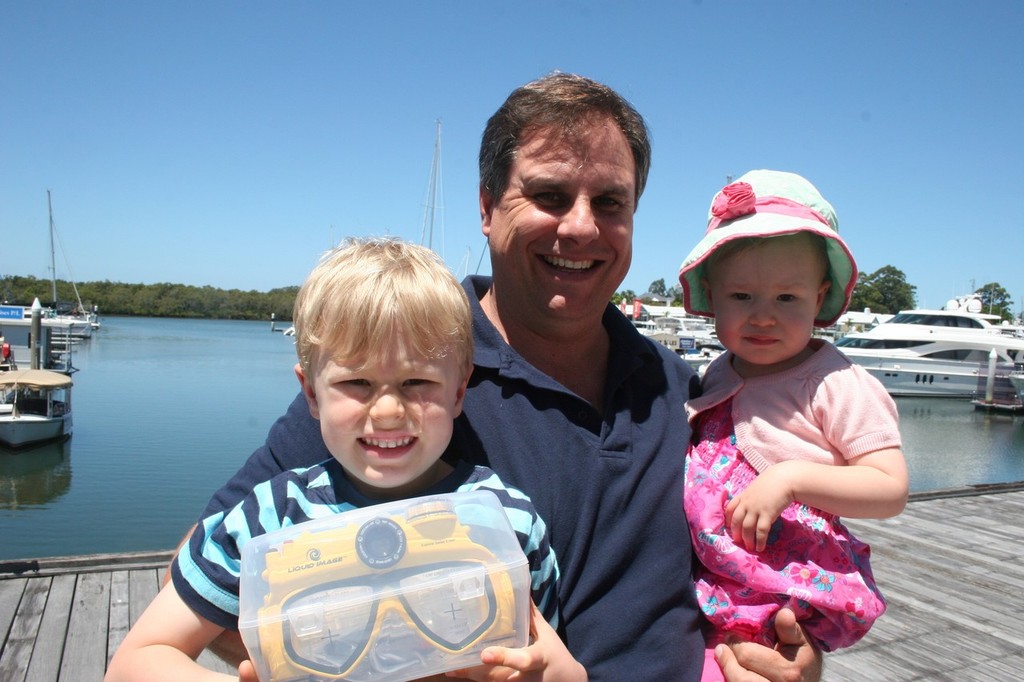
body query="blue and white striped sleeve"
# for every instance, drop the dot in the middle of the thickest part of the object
(533, 537)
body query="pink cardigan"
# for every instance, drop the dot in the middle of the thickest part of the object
(827, 409)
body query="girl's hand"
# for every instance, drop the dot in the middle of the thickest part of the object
(750, 514)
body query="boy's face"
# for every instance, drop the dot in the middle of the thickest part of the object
(765, 300)
(389, 420)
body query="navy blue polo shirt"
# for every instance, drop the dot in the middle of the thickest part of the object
(609, 486)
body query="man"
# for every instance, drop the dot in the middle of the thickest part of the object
(567, 400)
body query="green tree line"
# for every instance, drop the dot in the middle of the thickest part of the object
(885, 290)
(155, 300)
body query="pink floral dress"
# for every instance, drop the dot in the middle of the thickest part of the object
(812, 563)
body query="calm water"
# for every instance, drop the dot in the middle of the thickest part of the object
(166, 410)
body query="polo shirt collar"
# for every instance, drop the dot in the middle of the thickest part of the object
(629, 350)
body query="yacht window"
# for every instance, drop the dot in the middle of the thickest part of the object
(963, 354)
(854, 342)
(900, 343)
(967, 322)
(932, 320)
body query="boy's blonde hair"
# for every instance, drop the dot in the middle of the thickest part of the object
(366, 292)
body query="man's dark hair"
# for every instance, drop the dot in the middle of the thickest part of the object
(562, 101)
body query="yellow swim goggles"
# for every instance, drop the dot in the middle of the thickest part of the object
(399, 596)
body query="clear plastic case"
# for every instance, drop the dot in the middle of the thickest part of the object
(392, 592)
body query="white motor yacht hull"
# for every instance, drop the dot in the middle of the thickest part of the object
(919, 379)
(941, 354)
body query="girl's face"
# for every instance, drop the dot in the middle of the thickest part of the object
(765, 299)
(389, 419)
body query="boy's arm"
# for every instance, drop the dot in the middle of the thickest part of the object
(872, 486)
(164, 643)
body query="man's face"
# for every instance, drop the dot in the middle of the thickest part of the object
(561, 235)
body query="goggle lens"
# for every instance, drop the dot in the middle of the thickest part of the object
(330, 628)
(451, 605)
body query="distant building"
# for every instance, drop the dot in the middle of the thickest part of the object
(853, 321)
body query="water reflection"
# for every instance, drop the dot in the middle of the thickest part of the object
(34, 476)
(949, 443)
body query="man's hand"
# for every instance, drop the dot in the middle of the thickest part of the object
(794, 659)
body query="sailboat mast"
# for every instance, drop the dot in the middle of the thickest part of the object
(427, 235)
(53, 261)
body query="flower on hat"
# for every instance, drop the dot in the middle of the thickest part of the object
(733, 201)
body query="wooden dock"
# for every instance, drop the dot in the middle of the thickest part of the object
(63, 618)
(951, 566)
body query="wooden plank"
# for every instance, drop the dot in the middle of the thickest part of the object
(85, 649)
(10, 596)
(89, 563)
(144, 587)
(951, 570)
(120, 617)
(49, 648)
(21, 628)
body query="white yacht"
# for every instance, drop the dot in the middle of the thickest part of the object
(937, 353)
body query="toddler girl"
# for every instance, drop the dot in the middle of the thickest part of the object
(789, 434)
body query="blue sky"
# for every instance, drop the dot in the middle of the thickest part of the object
(229, 143)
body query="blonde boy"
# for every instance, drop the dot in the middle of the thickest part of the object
(384, 340)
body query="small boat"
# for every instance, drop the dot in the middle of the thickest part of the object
(79, 323)
(35, 406)
(55, 343)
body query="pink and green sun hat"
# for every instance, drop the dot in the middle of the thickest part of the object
(767, 203)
